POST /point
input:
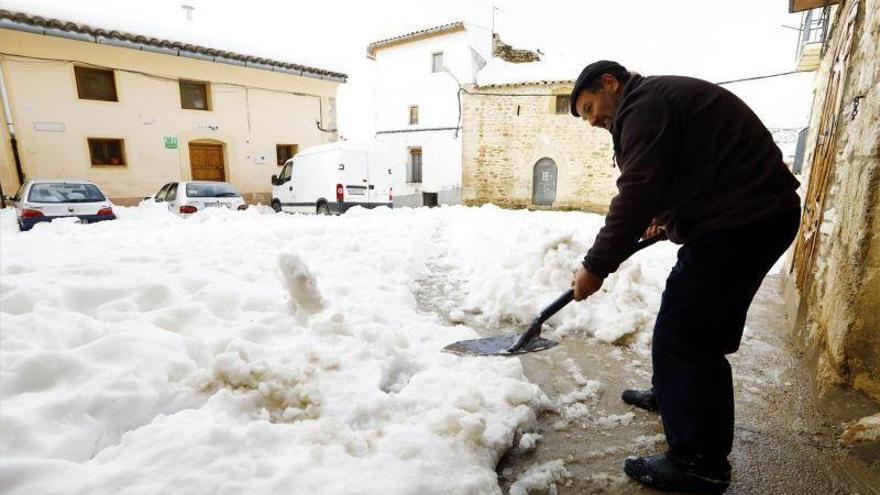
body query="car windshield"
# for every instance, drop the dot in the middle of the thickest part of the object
(210, 190)
(65, 193)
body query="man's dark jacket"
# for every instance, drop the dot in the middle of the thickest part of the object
(692, 156)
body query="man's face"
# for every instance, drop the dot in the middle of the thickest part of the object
(599, 107)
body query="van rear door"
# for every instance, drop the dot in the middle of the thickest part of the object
(380, 178)
(354, 176)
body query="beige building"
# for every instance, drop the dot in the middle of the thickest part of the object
(131, 112)
(834, 285)
(523, 149)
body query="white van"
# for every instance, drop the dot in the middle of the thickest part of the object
(331, 178)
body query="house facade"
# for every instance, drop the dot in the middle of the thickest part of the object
(834, 268)
(419, 76)
(132, 113)
(523, 149)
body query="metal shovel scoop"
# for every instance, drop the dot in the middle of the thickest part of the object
(512, 344)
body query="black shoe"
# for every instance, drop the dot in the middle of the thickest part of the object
(640, 398)
(668, 473)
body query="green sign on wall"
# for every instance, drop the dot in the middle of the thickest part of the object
(170, 142)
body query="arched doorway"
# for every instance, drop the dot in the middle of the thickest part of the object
(206, 160)
(544, 182)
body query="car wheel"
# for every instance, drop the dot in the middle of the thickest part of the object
(276, 205)
(323, 209)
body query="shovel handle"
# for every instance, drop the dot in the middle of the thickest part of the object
(534, 329)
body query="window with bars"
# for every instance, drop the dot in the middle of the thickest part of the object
(437, 62)
(413, 115)
(414, 166)
(194, 95)
(106, 151)
(563, 104)
(285, 152)
(95, 84)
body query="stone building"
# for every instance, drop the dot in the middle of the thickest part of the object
(834, 282)
(131, 112)
(523, 149)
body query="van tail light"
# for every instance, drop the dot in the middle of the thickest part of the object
(188, 209)
(104, 212)
(390, 194)
(29, 213)
(242, 207)
(340, 192)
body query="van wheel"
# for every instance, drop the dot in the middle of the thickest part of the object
(323, 209)
(276, 205)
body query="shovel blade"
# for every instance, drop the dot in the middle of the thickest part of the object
(498, 345)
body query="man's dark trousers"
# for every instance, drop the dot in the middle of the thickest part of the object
(701, 318)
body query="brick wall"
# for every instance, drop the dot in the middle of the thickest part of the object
(505, 136)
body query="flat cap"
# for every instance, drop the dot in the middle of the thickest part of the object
(590, 73)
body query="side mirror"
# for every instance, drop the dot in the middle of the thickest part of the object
(275, 180)
(8, 198)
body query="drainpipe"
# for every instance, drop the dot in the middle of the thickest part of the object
(11, 126)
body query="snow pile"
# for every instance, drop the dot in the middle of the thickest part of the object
(300, 284)
(542, 478)
(520, 261)
(155, 354)
(615, 420)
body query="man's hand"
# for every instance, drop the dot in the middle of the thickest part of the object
(585, 284)
(653, 229)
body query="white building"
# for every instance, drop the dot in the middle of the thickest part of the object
(418, 110)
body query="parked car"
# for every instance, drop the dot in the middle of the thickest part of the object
(331, 178)
(188, 197)
(45, 200)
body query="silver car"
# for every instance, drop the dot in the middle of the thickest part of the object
(45, 200)
(187, 197)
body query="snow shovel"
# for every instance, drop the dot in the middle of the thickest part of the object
(512, 344)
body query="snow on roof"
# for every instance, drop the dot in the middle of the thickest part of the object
(550, 69)
(345, 145)
(53, 27)
(452, 27)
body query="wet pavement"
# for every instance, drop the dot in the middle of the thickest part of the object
(784, 443)
(785, 439)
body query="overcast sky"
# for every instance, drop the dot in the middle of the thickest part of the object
(712, 39)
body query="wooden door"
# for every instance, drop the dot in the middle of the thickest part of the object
(206, 162)
(825, 147)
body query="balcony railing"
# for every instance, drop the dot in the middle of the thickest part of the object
(811, 42)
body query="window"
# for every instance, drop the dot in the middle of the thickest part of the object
(194, 95)
(65, 193)
(106, 151)
(414, 165)
(437, 62)
(285, 152)
(285, 173)
(160, 196)
(95, 84)
(171, 195)
(563, 104)
(413, 115)
(211, 190)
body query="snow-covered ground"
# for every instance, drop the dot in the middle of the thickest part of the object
(259, 353)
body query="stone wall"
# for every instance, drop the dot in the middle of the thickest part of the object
(505, 136)
(839, 306)
(510, 54)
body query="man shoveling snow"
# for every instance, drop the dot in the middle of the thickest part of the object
(696, 162)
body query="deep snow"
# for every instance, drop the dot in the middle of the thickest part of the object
(253, 352)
